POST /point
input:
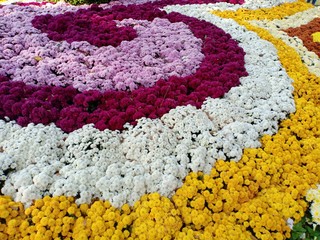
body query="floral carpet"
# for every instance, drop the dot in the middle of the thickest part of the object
(170, 119)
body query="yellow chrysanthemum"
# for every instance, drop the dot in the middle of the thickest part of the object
(316, 37)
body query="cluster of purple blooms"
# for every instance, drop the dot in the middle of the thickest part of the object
(162, 3)
(70, 109)
(161, 49)
(97, 29)
(155, 3)
(39, 4)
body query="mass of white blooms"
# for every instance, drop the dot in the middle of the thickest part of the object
(248, 4)
(310, 59)
(155, 155)
(256, 4)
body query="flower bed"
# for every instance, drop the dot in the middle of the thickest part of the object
(176, 128)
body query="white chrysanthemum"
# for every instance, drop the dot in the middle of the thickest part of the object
(315, 212)
(313, 196)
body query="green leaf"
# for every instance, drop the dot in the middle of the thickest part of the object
(309, 229)
(295, 236)
(299, 228)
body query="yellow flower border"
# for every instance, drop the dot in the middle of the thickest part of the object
(250, 199)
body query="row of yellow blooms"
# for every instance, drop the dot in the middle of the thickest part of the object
(246, 200)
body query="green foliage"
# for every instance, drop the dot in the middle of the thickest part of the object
(305, 229)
